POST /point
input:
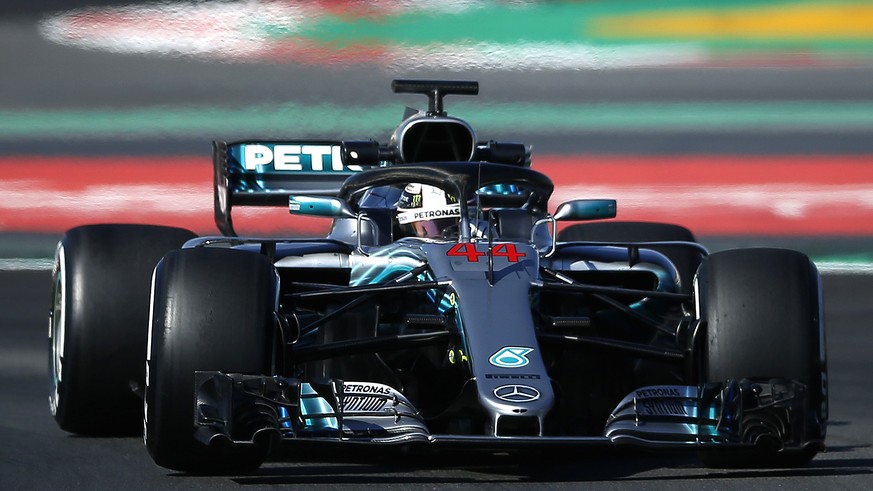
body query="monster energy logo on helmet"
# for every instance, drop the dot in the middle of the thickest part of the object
(423, 202)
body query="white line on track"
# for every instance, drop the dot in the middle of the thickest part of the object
(26, 264)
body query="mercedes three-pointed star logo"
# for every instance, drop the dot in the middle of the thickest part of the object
(516, 393)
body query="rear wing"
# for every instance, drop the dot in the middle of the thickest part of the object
(259, 173)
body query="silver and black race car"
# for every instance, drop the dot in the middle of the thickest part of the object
(445, 308)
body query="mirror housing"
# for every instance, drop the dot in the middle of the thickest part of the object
(320, 206)
(586, 209)
(365, 153)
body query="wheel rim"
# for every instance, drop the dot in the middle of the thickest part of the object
(57, 317)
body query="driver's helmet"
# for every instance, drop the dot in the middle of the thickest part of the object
(427, 211)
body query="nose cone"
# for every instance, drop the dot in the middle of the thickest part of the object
(516, 398)
(516, 407)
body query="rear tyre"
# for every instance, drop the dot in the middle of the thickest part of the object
(98, 324)
(213, 310)
(685, 259)
(763, 314)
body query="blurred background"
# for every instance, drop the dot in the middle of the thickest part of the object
(750, 122)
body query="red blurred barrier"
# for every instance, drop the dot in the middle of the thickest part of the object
(757, 195)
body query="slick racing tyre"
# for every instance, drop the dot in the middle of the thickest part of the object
(213, 311)
(763, 315)
(98, 324)
(685, 259)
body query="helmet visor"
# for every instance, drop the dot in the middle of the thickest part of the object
(433, 229)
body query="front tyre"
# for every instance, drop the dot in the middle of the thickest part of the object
(763, 314)
(213, 310)
(98, 323)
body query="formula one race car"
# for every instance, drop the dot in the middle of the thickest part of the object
(445, 308)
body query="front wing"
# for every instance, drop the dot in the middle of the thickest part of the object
(243, 410)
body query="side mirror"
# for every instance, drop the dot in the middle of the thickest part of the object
(366, 153)
(320, 206)
(586, 209)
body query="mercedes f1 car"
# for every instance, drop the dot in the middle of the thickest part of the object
(448, 306)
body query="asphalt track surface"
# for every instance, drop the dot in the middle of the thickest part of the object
(35, 454)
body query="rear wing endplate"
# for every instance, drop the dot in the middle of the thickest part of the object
(259, 173)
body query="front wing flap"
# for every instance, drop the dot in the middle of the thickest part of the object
(768, 413)
(243, 408)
